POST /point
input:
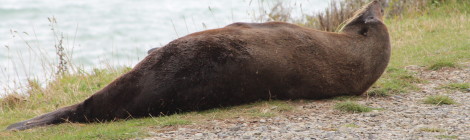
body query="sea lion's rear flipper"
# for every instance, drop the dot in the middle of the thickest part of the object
(56, 117)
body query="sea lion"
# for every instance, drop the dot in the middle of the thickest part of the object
(237, 64)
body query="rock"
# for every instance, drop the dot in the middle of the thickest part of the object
(198, 134)
(236, 128)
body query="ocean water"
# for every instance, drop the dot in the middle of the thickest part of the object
(110, 32)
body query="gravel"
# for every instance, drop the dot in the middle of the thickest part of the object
(402, 116)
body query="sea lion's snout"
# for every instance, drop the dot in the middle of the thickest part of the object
(151, 50)
(374, 12)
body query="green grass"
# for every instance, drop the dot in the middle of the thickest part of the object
(349, 106)
(439, 100)
(426, 129)
(457, 86)
(447, 137)
(431, 39)
(434, 39)
(394, 81)
(346, 98)
(351, 125)
(133, 128)
(440, 65)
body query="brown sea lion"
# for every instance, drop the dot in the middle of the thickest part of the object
(237, 64)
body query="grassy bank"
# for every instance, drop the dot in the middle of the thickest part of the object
(435, 37)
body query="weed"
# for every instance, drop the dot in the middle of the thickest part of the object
(439, 100)
(351, 125)
(330, 129)
(346, 98)
(447, 137)
(353, 107)
(426, 129)
(457, 86)
(262, 114)
(170, 120)
(442, 64)
(176, 121)
(380, 92)
(280, 106)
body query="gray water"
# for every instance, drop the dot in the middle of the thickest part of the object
(100, 33)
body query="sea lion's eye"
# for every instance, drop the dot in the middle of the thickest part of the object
(382, 11)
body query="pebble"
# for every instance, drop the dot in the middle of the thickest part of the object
(199, 135)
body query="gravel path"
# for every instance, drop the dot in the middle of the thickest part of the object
(404, 116)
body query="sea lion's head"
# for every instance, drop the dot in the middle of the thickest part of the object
(371, 15)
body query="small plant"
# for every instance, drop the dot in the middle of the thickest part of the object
(379, 92)
(442, 64)
(353, 107)
(457, 86)
(346, 98)
(446, 137)
(426, 129)
(439, 100)
(171, 120)
(330, 129)
(176, 122)
(351, 125)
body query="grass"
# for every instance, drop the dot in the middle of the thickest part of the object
(349, 106)
(429, 38)
(439, 100)
(440, 65)
(457, 86)
(447, 137)
(394, 81)
(124, 129)
(434, 35)
(426, 129)
(351, 125)
(346, 98)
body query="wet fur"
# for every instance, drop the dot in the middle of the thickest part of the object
(238, 64)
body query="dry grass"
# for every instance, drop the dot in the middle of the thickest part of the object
(349, 106)
(339, 11)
